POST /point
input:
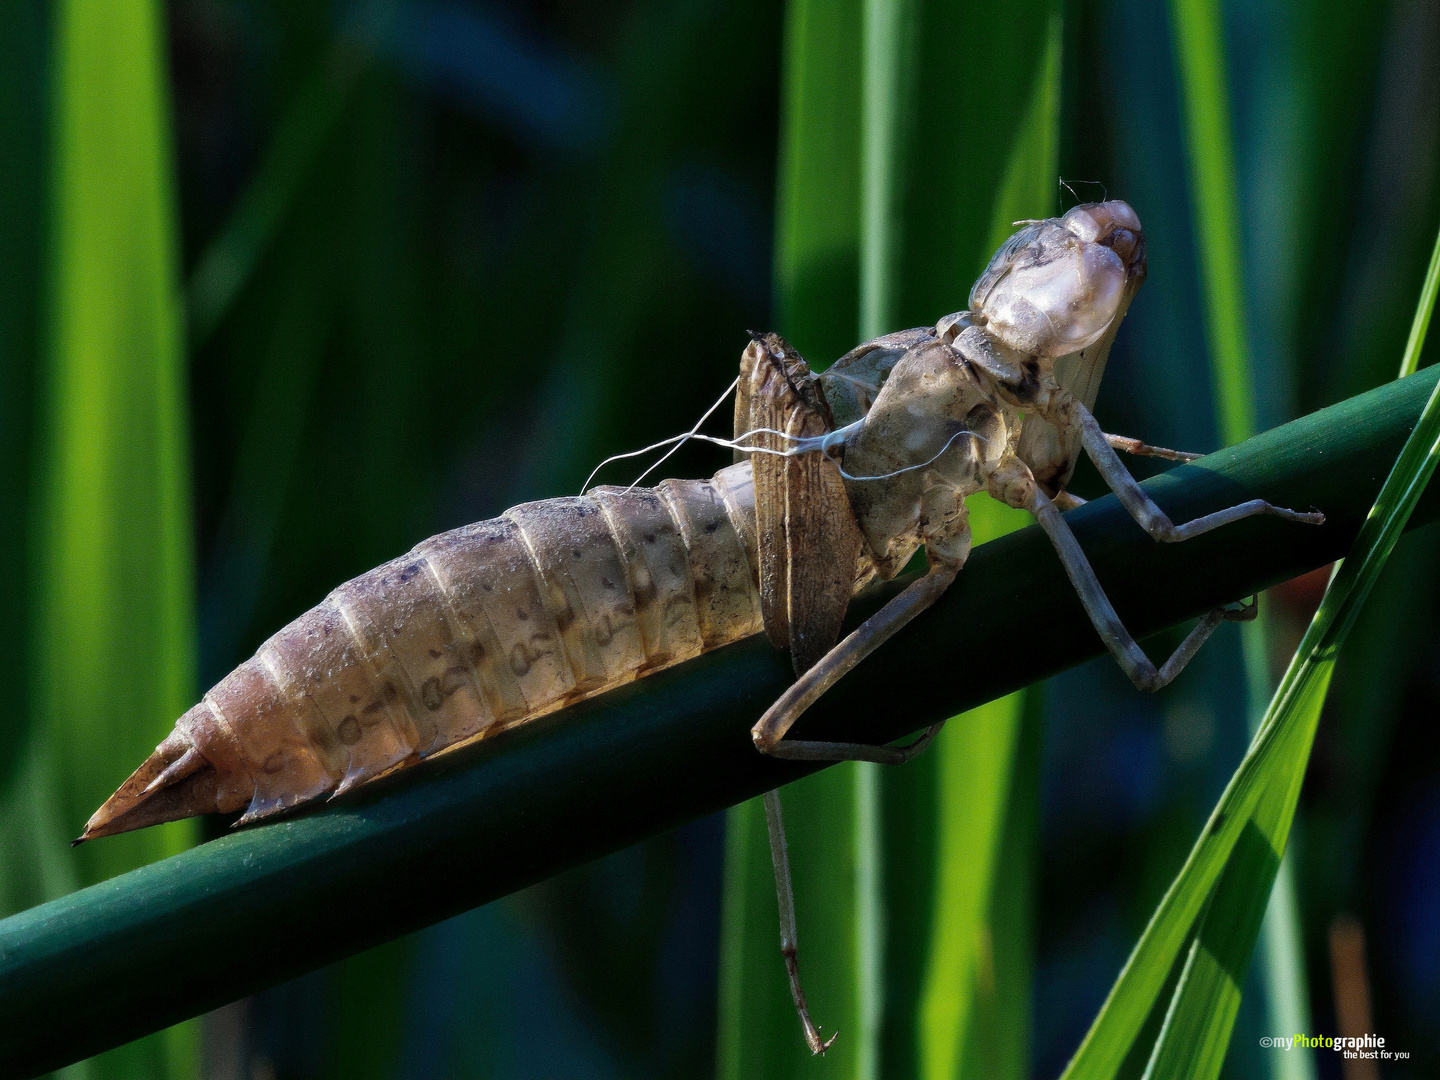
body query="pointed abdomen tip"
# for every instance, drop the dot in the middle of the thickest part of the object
(174, 782)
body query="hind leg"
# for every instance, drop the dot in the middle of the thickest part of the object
(769, 736)
(769, 733)
(789, 939)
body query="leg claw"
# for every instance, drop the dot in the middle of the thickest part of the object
(1246, 612)
(818, 1048)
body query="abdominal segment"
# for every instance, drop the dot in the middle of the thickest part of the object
(472, 632)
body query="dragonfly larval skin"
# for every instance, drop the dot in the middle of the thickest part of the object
(473, 632)
(849, 473)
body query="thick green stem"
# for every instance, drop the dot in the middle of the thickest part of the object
(143, 950)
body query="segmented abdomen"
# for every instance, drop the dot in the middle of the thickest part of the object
(482, 628)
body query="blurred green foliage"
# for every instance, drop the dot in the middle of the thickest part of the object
(894, 868)
(1219, 898)
(108, 646)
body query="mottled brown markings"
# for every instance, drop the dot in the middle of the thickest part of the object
(630, 519)
(644, 595)
(349, 730)
(373, 715)
(461, 644)
(437, 688)
(274, 763)
(321, 736)
(538, 583)
(283, 686)
(520, 660)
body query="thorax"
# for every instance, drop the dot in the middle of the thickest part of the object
(934, 429)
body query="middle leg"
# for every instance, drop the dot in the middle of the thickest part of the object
(1127, 652)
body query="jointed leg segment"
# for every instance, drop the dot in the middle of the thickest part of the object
(1143, 509)
(1117, 639)
(769, 736)
(769, 733)
(1132, 659)
(785, 897)
(1144, 449)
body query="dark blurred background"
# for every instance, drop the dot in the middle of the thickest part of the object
(524, 236)
(442, 257)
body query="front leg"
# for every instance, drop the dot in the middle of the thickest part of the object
(1143, 509)
(1143, 449)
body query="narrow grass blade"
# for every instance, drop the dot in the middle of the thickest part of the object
(817, 201)
(1200, 47)
(997, 1046)
(1202, 1014)
(1242, 844)
(1415, 344)
(114, 641)
(977, 755)
(888, 115)
(306, 126)
(1199, 42)
(817, 259)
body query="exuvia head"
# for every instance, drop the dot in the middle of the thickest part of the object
(1055, 286)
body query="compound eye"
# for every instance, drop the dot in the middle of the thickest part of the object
(1084, 222)
(1121, 215)
(1098, 222)
(1123, 242)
